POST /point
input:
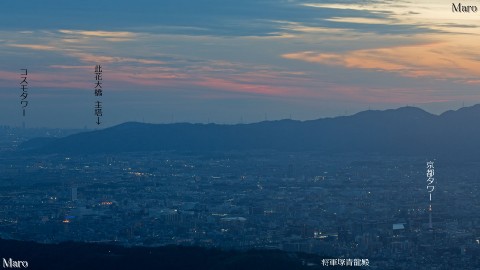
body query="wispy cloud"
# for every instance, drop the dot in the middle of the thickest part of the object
(360, 20)
(39, 47)
(440, 60)
(106, 34)
(96, 58)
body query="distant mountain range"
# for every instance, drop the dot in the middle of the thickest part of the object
(403, 131)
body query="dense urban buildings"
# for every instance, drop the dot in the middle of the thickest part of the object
(342, 206)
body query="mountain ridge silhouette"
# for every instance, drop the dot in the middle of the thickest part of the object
(402, 131)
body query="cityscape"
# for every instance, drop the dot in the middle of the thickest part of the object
(232, 135)
(341, 206)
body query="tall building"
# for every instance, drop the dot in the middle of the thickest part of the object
(430, 216)
(74, 194)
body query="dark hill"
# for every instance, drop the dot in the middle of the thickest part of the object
(403, 131)
(73, 256)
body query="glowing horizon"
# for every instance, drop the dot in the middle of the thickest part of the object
(345, 56)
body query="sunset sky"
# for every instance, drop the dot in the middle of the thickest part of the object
(228, 61)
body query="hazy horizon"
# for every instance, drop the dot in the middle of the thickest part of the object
(230, 62)
(241, 120)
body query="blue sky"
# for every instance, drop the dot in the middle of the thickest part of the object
(230, 61)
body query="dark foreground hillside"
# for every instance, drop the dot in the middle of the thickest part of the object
(72, 256)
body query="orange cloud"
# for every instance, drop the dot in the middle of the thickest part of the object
(103, 34)
(439, 60)
(249, 88)
(34, 47)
